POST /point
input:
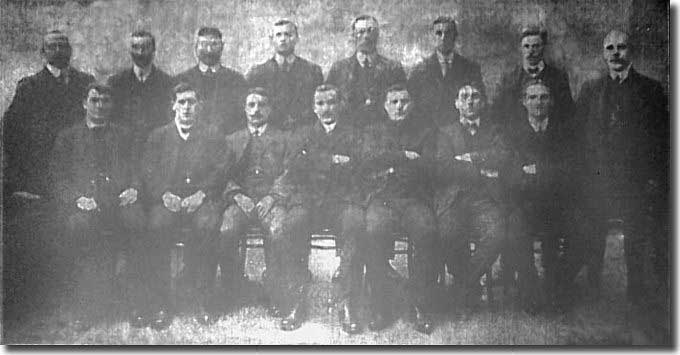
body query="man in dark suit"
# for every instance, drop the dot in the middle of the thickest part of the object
(221, 88)
(97, 189)
(364, 76)
(623, 118)
(435, 80)
(141, 93)
(183, 163)
(44, 104)
(289, 78)
(257, 193)
(509, 100)
(323, 168)
(396, 157)
(541, 186)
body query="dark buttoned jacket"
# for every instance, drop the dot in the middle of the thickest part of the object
(509, 100)
(317, 179)
(260, 165)
(292, 93)
(454, 178)
(347, 75)
(222, 94)
(385, 171)
(184, 167)
(42, 107)
(434, 93)
(141, 107)
(622, 154)
(92, 162)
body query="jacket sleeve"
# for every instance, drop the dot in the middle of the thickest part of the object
(283, 185)
(154, 182)
(13, 134)
(61, 170)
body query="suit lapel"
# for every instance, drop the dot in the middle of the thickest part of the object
(239, 142)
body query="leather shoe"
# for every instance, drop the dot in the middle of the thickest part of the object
(161, 320)
(422, 321)
(349, 320)
(294, 319)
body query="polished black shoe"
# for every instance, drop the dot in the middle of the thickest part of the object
(349, 320)
(294, 319)
(161, 320)
(138, 320)
(422, 321)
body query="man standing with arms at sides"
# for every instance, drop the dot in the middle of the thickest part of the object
(221, 88)
(141, 93)
(436, 79)
(624, 123)
(324, 169)
(257, 193)
(509, 101)
(365, 75)
(396, 161)
(289, 78)
(44, 104)
(97, 188)
(183, 163)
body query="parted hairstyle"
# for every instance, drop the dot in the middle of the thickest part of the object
(449, 20)
(330, 87)
(258, 91)
(184, 87)
(145, 33)
(209, 31)
(101, 88)
(284, 21)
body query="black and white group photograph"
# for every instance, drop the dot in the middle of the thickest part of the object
(317, 172)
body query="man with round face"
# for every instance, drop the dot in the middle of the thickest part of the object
(437, 78)
(625, 128)
(394, 172)
(142, 92)
(533, 42)
(183, 163)
(258, 192)
(221, 88)
(97, 189)
(290, 79)
(44, 104)
(364, 76)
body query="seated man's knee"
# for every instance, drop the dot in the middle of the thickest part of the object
(277, 222)
(233, 222)
(206, 217)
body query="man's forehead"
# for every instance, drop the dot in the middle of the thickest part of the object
(443, 26)
(615, 37)
(209, 38)
(365, 23)
(96, 93)
(256, 97)
(531, 39)
(186, 95)
(468, 90)
(55, 38)
(283, 27)
(140, 40)
(325, 95)
(537, 89)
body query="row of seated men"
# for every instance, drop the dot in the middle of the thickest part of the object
(444, 168)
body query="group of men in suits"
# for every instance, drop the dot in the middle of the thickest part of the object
(201, 157)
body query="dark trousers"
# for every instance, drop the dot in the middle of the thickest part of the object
(286, 242)
(197, 231)
(384, 217)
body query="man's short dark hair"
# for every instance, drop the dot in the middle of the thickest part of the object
(184, 87)
(284, 21)
(330, 87)
(54, 32)
(395, 88)
(446, 19)
(534, 30)
(258, 91)
(364, 17)
(145, 33)
(101, 88)
(534, 82)
(209, 31)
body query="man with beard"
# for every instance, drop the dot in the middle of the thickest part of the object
(183, 163)
(97, 188)
(257, 193)
(44, 104)
(532, 45)
(290, 78)
(437, 78)
(141, 93)
(364, 76)
(323, 169)
(221, 88)
(624, 123)
(396, 160)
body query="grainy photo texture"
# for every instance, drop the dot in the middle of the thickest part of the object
(364, 172)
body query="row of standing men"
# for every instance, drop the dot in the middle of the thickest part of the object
(632, 109)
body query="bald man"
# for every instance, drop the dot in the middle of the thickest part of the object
(625, 128)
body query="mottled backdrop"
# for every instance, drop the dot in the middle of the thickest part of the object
(488, 32)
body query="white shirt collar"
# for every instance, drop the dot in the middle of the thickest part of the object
(141, 73)
(538, 126)
(540, 66)
(182, 135)
(361, 56)
(474, 124)
(257, 131)
(56, 72)
(92, 125)
(280, 59)
(623, 74)
(329, 127)
(444, 58)
(204, 67)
